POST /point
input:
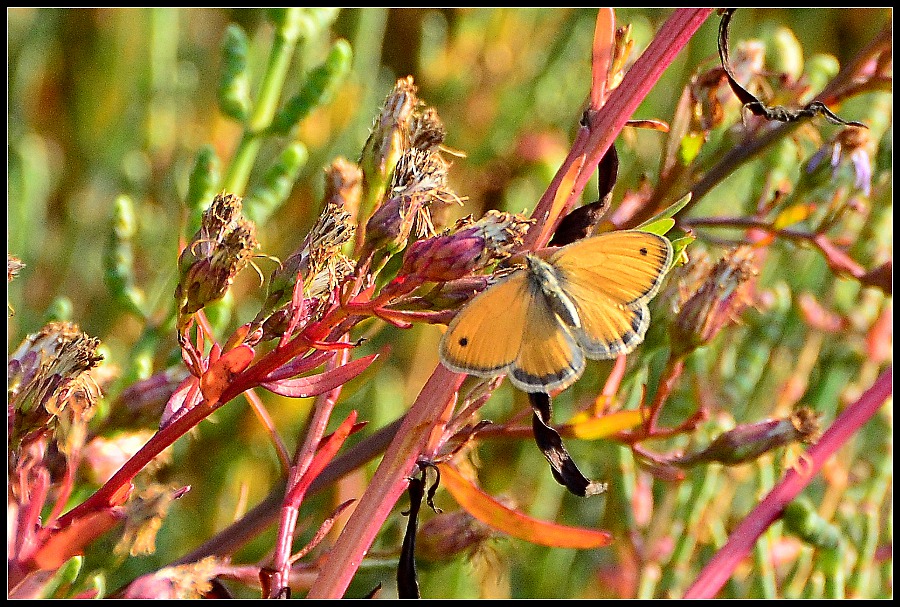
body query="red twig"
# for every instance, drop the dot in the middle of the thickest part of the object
(304, 457)
(742, 539)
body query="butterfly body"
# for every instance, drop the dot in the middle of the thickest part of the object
(544, 282)
(539, 324)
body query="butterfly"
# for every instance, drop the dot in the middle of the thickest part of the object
(587, 299)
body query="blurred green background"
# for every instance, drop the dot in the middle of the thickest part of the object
(104, 102)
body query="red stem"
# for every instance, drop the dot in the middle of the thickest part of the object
(111, 493)
(742, 539)
(291, 506)
(592, 143)
(387, 484)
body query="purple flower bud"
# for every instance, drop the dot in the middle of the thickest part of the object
(217, 252)
(749, 441)
(470, 248)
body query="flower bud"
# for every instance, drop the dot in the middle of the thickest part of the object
(471, 247)
(443, 537)
(418, 183)
(388, 140)
(454, 293)
(389, 227)
(749, 441)
(851, 144)
(343, 187)
(218, 251)
(718, 301)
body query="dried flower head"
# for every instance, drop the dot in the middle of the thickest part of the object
(143, 520)
(217, 252)
(50, 389)
(343, 186)
(319, 262)
(719, 300)
(419, 182)
(427, 131)
(191, 581)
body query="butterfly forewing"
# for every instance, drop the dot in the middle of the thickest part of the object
(486, 336)
(627, 267)
(610, 278)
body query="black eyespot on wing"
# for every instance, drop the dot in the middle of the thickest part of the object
(463, 341)
(644, 251)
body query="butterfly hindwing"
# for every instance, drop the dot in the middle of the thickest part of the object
(550, 358)
(608, 329)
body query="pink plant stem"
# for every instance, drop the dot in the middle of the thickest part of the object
(426, 416)
(290, 508)
(591, 144)
(439, 392)
(742, 539)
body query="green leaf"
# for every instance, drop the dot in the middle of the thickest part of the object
(266, 198)
(318, 89)
(234, 84)
(668, 213)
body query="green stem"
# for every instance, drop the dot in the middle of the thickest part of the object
(265, 107)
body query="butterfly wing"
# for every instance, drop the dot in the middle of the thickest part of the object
(549, 358)
(610, 278)
(486, 335)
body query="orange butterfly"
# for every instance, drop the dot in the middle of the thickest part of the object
(585, 300)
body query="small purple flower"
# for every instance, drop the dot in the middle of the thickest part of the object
(852, 143)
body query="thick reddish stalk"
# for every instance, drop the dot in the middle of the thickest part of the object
(388, 483)
(742, 539)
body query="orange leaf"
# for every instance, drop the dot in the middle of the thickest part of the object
(563, 193)
(513, 522)
(221, 373)
(590, 428)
